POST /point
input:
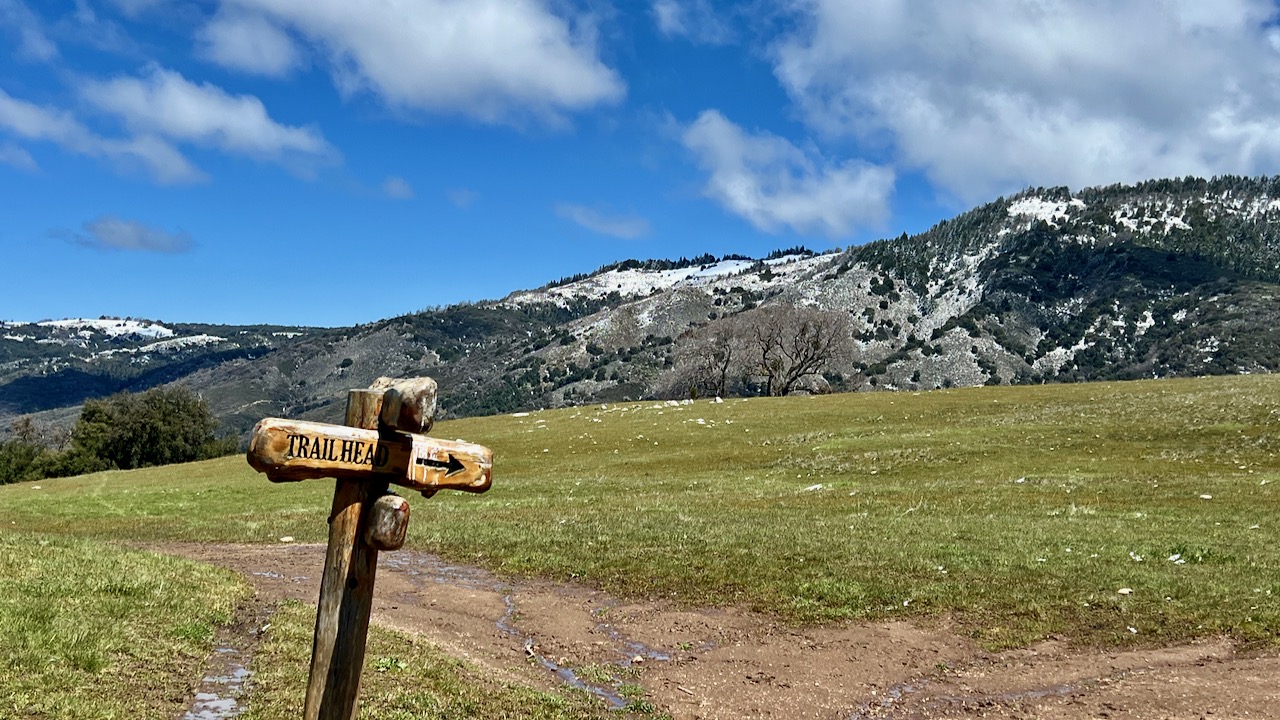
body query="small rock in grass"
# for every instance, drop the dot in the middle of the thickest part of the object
(286, 538)
(1206, 497)
(1125, 591)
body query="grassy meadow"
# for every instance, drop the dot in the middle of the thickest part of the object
(1013, 512)
(89, 630)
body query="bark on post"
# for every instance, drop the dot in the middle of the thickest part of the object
(409, 405)
(388, 523)
(346, 590)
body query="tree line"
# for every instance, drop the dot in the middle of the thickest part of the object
(161, 426)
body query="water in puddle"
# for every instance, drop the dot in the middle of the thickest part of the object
(630, 648)
(566, 675)
(570, 678)
(222, 686)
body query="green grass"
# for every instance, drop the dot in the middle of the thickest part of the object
(403, 678)
(1017, 512)
(89, 630)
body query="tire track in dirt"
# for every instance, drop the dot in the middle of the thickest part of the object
(728, 663)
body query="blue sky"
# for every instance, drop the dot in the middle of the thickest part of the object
(330, 162)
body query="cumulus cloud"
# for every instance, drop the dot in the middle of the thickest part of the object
(17, 20)
(249, 43)
(492, 60)
(620, 226)
(161, 160)
(774, 184)
(695, 20)
(397, 188)
(159, 110)
(113, 233)
(167, 104)
(992, 96)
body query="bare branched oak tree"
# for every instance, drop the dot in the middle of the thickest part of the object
(712, 359)
(774, 349)
(790, 344)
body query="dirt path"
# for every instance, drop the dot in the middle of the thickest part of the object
(731, 664)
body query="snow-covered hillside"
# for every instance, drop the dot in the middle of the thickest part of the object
(748, 275)
(85, 327)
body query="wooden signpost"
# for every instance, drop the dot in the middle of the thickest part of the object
(381, 444)
(298, 450)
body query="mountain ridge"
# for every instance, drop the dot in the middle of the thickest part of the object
(1162, 278)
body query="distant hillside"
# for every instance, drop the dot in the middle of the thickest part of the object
(1165, 278)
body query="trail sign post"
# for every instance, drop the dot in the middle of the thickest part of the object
(381, 444)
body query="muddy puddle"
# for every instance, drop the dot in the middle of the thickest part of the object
(224, 687)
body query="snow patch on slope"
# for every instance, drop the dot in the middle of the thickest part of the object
(181, 343)
(111, 328)
(634, 283)
(1144, 218)
(1040, 209)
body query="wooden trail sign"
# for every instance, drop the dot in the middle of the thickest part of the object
(289, 450)
(380, 445)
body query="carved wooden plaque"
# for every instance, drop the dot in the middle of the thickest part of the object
(289, 450)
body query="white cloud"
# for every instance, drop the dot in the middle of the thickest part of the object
(621, 226)
(462, 198)
(774, 184)
(492, 60)
(397, 188)
(34, 122)
(18, 20)
(992, 96)
(113, 233)
(695, 20)
(249, 42)
(165, 103)
(18, 157)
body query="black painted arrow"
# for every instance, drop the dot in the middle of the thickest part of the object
(454, 465)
